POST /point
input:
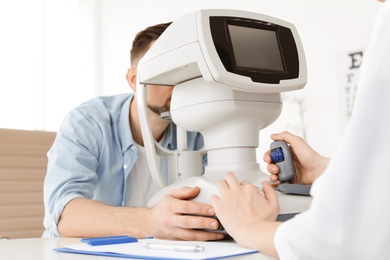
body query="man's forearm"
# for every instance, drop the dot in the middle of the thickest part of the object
(88, 218)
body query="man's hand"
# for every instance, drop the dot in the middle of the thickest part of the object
(173, 217)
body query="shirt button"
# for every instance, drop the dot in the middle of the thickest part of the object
(133, 147)
(125, 166)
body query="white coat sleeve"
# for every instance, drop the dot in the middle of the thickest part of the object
(349, 217)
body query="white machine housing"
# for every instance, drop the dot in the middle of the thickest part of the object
(187, 50)
(228, 68)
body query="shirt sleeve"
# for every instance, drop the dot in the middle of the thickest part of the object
(349, 217)
(72, 164)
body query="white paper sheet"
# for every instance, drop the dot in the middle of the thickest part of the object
(138, 250)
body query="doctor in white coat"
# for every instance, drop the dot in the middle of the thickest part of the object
(349, 217)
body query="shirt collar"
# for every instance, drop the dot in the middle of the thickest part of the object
(169, 141)
(126, 136)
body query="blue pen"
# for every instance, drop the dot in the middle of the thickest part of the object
(109, 240)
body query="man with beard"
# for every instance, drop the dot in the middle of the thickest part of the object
(98, 181)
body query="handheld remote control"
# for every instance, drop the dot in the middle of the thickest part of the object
(281, 156)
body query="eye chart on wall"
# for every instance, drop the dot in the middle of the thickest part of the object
(348, 64)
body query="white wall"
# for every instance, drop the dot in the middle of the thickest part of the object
(327, 28)
(18, 65)
(49, 60)
(57, 53)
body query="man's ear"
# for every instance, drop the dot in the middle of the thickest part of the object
(131, 77)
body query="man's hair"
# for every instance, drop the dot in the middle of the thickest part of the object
(143, 40)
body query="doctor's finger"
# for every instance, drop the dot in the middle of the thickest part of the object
(267, 157)
(231, 180)
(223, 187)
(270, 194)
(288, 137)
(272, 168)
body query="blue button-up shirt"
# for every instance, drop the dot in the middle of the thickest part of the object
(93, 154)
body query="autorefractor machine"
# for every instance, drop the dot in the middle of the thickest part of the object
(228, 69)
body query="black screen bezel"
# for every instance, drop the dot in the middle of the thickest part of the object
(223, 45)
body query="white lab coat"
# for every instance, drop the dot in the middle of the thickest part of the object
(350, 213)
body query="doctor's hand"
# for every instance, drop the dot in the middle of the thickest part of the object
(173, 217)
(241, 209)
(308, 164)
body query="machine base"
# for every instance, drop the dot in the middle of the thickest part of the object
(290, 205)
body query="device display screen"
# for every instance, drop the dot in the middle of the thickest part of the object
(277, 155)
(263, 51)
(255, 48)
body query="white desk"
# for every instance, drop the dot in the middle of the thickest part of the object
(42, 249)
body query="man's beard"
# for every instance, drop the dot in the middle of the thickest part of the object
(158, 110)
